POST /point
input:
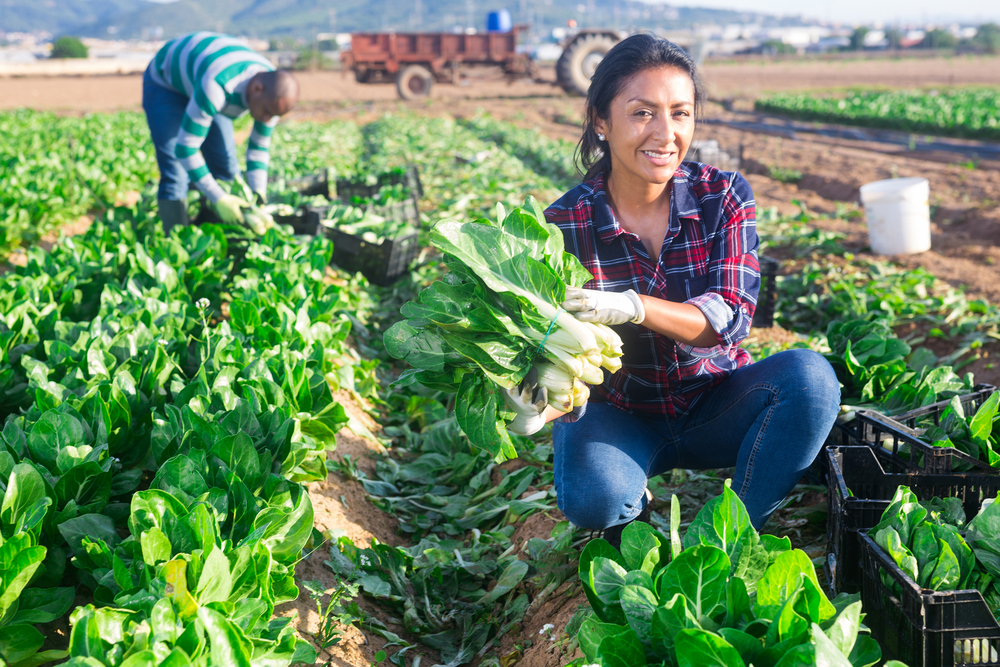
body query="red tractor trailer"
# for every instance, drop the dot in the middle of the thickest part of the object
(416, 60)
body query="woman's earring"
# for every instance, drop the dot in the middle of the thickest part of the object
(601, 137)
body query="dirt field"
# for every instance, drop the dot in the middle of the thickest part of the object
(725, 80)
(964, 199)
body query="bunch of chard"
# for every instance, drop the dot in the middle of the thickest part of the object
(496, 315)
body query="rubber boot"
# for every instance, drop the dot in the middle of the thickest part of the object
(173, 212)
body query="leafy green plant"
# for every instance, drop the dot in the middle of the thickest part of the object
(960, 112)
(723, 595)
(550, 157)
(784, 174)
(872, 365)
(332, 614)
(496, 317)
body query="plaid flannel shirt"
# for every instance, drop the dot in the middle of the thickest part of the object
(708, 259)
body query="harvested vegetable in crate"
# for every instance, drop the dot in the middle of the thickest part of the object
(365, 223)
(495, 316)
(976, 434)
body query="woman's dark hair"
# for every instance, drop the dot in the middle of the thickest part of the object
(627, 58)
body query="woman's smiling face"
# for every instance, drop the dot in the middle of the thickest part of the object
(650, 125)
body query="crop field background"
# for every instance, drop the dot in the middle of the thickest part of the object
(142, 374)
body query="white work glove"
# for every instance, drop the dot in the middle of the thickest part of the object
(259, 198)
(528, 400)
(230, 208)
(609, 308)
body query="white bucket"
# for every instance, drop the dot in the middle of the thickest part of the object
(898, 215)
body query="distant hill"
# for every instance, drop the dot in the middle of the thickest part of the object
(305, 18)
(62, 16)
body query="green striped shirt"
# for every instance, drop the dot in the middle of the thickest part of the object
(213, 70)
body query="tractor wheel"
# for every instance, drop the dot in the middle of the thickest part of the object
(579, 61)
(414, 82)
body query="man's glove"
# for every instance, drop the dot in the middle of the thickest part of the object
(609, 308)
(528, 400)
(230, 208)
(259, 198)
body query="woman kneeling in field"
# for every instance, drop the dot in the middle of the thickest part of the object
(672, 246)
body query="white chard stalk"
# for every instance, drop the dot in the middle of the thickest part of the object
(575, 352)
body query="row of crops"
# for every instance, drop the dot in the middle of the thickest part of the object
(164, 405)
(969, 113)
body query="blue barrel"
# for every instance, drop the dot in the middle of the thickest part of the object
(499, 21)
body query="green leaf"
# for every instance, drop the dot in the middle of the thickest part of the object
(700, 648)
(699, 574)
(981, 425)
(622, 650)
(44, 605)
(599, 548)
(477, 405)
(228, 646)
(888, 539)
(511, 577)
(843, 632)
(745, 644)
(668, 620)
(50, 434)
(639, 603)
(640, 540)
(724, 523)
(828, 654)
(608, 579)
(156, 547)
(866, 652)
(19, 561)
(93, 526)
(784, 579)
(25, 502)
(592, 632)
(214, 583)
(19, 642)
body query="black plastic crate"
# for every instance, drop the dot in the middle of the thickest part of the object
(323, 182)
(860, 486)
(844, 433)
(306, 220)
(410, 177)
(924, 628)
(896, 437)
(381, 263)
(405, 211)
(763, 315)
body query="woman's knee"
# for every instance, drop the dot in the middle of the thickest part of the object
(809, 378)
(598, 503)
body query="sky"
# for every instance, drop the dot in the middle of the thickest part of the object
(865, 11)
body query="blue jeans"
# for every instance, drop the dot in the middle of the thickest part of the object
(164, 112)
(768, 419)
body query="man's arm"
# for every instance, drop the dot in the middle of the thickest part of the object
(259, 155)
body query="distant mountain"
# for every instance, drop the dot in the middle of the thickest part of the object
(61, 16)
(306, 18)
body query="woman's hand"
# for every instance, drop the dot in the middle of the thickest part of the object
(610, 308)
(528, 401)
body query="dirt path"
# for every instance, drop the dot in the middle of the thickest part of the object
(724, 79)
